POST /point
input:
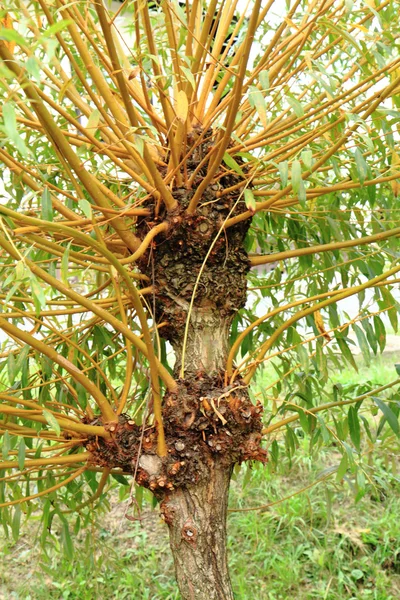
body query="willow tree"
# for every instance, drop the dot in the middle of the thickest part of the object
(154, 159)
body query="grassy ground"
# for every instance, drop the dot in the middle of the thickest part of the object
(318, 544)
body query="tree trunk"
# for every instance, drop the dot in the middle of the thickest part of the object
(210, 424)
(196, 517)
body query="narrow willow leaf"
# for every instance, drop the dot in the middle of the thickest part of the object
(380, 332)
(361, 165)
(363, 344)
(249, 199)
(47, 206)
(390, 417)
(32, 66)
(5, 448)
(16, 522)
(257, 101)
(86, 208)
(22, 356)
(67, 544)
(263, 78)
(389, 301)
(189, 76)
(232, 164)
(296, 176)
(354, 427)
(21, 454)
(10, 35)
(344, 348)
(38, 295)
(306, 157)
(373, 342)
(343, 466)
(10, 127)
(65, 264)
(11, 368)
(284, 172)
(93, 121)
(52, 421)
(297, 107)
(57, 27)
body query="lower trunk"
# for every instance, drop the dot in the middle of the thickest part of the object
(196, 517)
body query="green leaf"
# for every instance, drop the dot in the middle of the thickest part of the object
(32, 66)
(354, 427)
(93, 121)
(389, 415)
(306, 157)
(249, 199)
(11, 368)
(22, 357)
(284, 172)
(120, 478)
(296, 176)
(373, 342)
(21, 454)
(86, 208)
(57, 27)
(389, 301)
(47, 206)
(232, 164)
(257, 101)
(65, 265)
(345, 350)
(10, 127)
(343, 466)
(67, 544)
(263, 78)
(52, 421)
(38, 295)
(189, 76)
(10, 35)
(5, 448)
(380, 332)
(297, 107)
(16, 522)
(363, 344)
(361, 165)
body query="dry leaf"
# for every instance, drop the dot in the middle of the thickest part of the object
(320, 325)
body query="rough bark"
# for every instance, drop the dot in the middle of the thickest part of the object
(196, 517)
